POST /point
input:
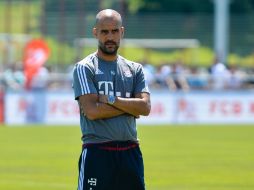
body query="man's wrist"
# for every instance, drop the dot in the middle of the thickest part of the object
(111, 99)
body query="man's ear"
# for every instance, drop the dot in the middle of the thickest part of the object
(122, 31)
(95, 32)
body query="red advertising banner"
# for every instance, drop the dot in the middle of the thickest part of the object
(35, 55)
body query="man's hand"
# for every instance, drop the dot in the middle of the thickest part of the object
(134, 106)
(103, 99)
(93, 109)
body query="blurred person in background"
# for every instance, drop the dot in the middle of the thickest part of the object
(13, 77)
(112, 93)
(149, 72)
(177, 77)
(161, 75)
(198, 78)
(172, 77)
(219, 75)
(40, 79)
(234, 78)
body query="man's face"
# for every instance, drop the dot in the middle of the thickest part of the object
(109, 34)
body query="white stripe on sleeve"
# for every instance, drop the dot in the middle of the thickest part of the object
(86, 83)
(82, 79)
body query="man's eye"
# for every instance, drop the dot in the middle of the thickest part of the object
(115, 31)
(104, 32)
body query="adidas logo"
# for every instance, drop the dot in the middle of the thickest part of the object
(99, 72)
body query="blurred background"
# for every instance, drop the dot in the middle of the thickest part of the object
(197, 55)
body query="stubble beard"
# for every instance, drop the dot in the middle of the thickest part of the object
(106, 51)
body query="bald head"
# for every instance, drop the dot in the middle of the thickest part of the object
(108, 14)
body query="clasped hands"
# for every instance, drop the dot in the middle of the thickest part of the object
(104, 99)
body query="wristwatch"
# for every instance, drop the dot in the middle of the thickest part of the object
(111, 99)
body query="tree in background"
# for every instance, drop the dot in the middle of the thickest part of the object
(186, 6)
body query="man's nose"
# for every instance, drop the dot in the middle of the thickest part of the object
(110, 36)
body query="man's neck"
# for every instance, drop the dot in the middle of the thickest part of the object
(106, 57)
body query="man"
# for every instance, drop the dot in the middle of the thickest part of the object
(112, 94)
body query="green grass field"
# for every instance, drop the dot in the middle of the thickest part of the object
(176, 158)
